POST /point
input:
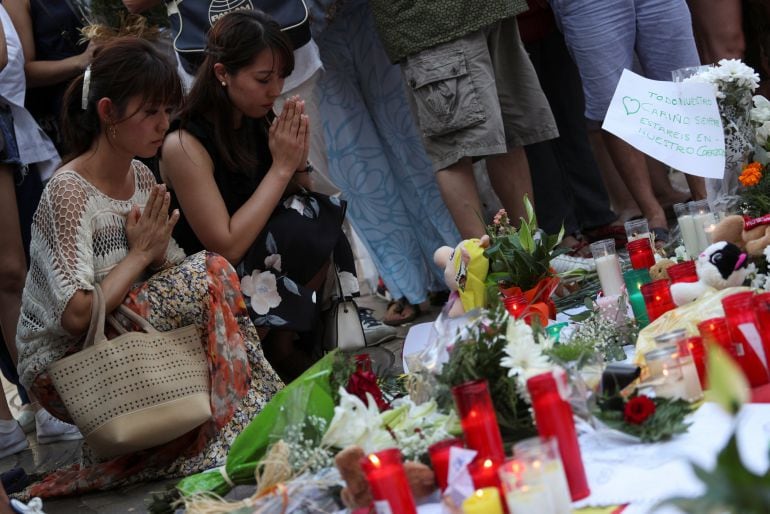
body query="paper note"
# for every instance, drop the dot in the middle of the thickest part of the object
(459, 483)
(677, 123)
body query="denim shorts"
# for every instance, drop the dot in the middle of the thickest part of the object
(602, 36)
(477, 96)
(9, 151)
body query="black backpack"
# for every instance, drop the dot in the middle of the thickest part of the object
(192, 19)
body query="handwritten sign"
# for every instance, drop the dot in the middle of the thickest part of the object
(677, 123)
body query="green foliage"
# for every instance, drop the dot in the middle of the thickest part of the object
(666, 422)
(478, 357)
(519, 257)
(729, 488)
(602, 335)
(580, 351)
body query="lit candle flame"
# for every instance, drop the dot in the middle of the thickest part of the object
(375, 460)
(488, 463)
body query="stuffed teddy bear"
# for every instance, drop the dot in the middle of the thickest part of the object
(465, 270)
(659, 270)
(750, 235)
(719, 266)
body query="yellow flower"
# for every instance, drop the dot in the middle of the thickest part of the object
(751, 175)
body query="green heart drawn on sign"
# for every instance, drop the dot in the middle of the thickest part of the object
(631, 105)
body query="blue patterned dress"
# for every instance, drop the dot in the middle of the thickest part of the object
(375, 154)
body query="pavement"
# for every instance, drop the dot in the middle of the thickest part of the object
(40, 459)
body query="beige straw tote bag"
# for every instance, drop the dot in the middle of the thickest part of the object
(136, 391)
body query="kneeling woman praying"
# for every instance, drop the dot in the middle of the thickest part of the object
(104, 220)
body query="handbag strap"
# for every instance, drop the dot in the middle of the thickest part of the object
(95, 332)
(341, 293)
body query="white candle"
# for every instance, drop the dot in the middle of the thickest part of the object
(528, 500)
(700, 221)
(554, 481)
(692, 388)
(610, 277)
(689, 235)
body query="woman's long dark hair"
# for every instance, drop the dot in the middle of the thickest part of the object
(235, 40)
(122, 69)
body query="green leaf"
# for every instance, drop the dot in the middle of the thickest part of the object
(727, 382)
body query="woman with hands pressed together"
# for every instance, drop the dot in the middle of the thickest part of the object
(241, 178)
(103, 219)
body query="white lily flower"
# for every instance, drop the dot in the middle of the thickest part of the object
(262, 288)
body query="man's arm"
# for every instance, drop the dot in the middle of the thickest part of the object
(137, 6)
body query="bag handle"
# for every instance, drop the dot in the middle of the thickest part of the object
(95, 334)
(340, 292)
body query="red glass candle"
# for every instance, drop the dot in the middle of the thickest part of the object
(657, 298)
(515, 305)
(390, 489)
(715, 331)
(439, 459)
(478, 419)
(762, 312)
(682, 272)
(553, 417)
(640, 252)
(694, 345)
(484, 473)
(751, 350)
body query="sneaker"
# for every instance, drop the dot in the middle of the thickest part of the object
(51, 430)
(375, 331)
(26, 419)
(12, 438)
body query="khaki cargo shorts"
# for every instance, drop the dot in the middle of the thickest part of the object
(477, 96)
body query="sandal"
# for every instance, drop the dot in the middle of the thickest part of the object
(399, 312)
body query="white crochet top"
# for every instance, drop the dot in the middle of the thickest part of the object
(78, 236)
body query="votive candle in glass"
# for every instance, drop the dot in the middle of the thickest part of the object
(516, 305)
(682, 272)
(607, 267)
(687, 228)
(387, 480)
(478, 420)
(745, 332)
(634, 280)
(762, 312)
(439, 459)
(641, 254)
(483, 501)
(716, 331)
(673, 373)
(539, 463)
(483, 473)
(701, 218)
(637, 229)
(657, 298)
(698, 352)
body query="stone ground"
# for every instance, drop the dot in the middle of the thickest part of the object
(42, 458)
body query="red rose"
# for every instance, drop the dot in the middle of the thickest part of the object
(638, 409)
(363, 381)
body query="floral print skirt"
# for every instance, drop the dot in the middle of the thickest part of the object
(203, 290)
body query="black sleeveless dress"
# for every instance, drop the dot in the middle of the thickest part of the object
(300, 237)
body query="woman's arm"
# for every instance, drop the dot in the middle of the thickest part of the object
(137, 6)
(42, 73)
(148, 234)
(188, 169)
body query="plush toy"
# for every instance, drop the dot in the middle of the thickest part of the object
(750, 235)
(719, 266)
(465, 270)
(658, 270)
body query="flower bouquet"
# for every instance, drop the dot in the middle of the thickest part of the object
(733, 84)
(520, 259)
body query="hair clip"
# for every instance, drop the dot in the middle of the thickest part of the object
(86, 88)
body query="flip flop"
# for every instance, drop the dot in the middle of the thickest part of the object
(395, 313)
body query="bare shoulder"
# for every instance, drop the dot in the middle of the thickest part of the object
(183, 153)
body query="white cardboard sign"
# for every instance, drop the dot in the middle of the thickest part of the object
(677, 123)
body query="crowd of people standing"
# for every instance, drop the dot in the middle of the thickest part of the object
(209, 186)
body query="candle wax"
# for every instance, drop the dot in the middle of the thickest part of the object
(689, 235)
(610, 277)
(483, 501)
(529, 500)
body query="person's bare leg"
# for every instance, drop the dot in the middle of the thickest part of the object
(461, 196)
(697, 186)
(511, 180)
(632, 167)
(621, 201)
(13, 269)
(718, 27)
(665, 191)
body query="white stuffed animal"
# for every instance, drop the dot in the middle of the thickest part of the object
(719, 266)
